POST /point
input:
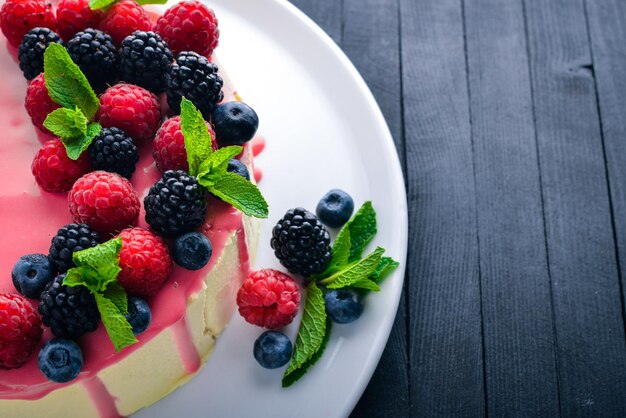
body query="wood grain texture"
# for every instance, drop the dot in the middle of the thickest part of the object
(581, 249)
(520, 358)
(445, 347)
(326, 13)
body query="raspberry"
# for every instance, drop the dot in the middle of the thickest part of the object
(67, 241)
(19, 16)
(145, 261)
(123, 18)
(20, 330)
(113, 150)
(93, 51)
(144, 60)
(189, 26)
(38, 103)
(54, 171)
(132, 109)
(168, 147)
(107, 202)
(31, 50)
(74, 16)
(269, 299)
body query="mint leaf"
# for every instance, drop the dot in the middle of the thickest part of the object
(312, 331)
(355, 272)
(99, 265)
(75, 147)
(66, 83)
(366, 284)
(386, 266)
(83, 276)
(66, 123)
(340, 253)
(144, 2)
(294, 376)
(362, 229)
(237, 191)
(196, 134)
(116, 294)
(117, 326)
(221, 157)
(100, 4)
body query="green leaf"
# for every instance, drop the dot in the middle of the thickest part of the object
(196, 134)
(221, 157)
(76, 147)
(83, 276)
(66, 123)
(66, 83)
(355, 272)
(366, 284)
(237, 191)
(116, 294)
(386, 266)
(312, 331)
(340, 254)
(117, 326)
(144, 2)
(100, 264)
(294, 376)
(362, 229)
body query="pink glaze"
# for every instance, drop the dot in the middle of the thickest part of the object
(30, 217)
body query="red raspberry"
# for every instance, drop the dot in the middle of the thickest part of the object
(74, 16)
(123, 18)
(54, 171)
(38, 103)
(132, 109)
(20, 330)
(189, 26)
(19, 16)
(145, 261)
(168, 147)
(107, 202)
(269, 299)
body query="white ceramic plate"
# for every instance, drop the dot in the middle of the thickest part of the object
(324, 130)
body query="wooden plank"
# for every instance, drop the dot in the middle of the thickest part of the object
(445, 347)
(326, 13)
(581, 248)
(518, 328)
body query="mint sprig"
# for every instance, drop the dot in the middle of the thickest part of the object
(210, 167)
(97, 269)
(103, 4)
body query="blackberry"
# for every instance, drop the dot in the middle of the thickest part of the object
(69, 239)
(70, 312)
(113, 150)
(144, 60)
(30, 51)
(175, 204)
(93, 51)
(194, 77)
(301, 242)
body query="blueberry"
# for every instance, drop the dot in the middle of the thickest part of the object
(139, 315)
(60, 360)
(272, 349)
(237, 167)
(31, 274)
(235, 123)
(192, 250)
(343, 305)
(335, 208)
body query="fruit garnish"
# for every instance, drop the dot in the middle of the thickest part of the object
(144, 60)
(272, 349)
(60, 360)
(19, 16)
(114, 150)
(94, 53)
(139, 314)
(30, 53)
(20, 330)
(69, 239)
(335, 208)
(192, 250)
(31, 274)
(122, 18)
(235, 123)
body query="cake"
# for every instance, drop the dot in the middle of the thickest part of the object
(188, 312)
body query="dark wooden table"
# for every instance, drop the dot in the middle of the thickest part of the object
(510, 119)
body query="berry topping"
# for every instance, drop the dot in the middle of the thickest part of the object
(113, 150)
(192, 250)
(145, 262)
(139, 315)
(195, 78)
(269, 299)
(30, 51)
(343, 305)
(131, 108)
(123, 18)
(144, 60)
(93, 51)
(54, 171)
(60, 360)
(301, 242)
(20, 330)
(70, 312)
(74, 16)
(272, 349)
(19, 16)
(235, 123)
(107, 202)
(38, 103)
(335, 208)
(31, 274)
(189, 26)
(67, 241)
(237, 167)
(175, 204)
(168, 147)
